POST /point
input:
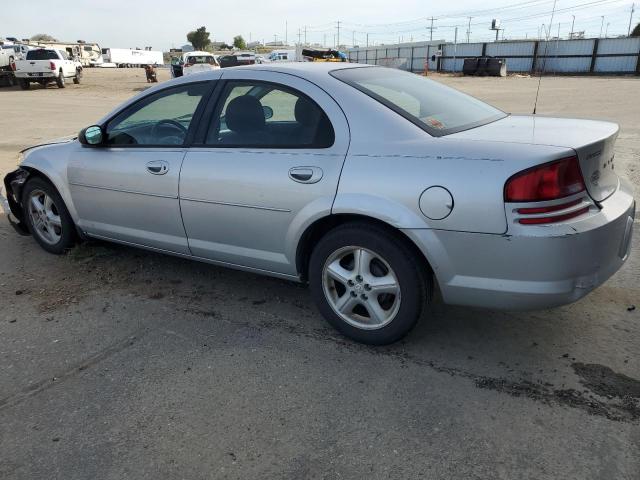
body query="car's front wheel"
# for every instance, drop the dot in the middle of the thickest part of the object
(368, 283)
(47, 216)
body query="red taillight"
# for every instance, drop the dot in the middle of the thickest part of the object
(52, 65)
(549, 181)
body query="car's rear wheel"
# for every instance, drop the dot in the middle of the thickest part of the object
(47, 216)
(25, 84)
(367, 283)
(60, 81)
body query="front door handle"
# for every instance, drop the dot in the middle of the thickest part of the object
(158, 167)
(305, 174)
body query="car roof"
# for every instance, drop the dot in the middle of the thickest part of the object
(314, 71)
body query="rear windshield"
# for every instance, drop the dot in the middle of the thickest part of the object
(42, 55)
(202, 59)
(437, 109)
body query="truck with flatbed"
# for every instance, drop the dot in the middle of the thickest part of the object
(45, 65)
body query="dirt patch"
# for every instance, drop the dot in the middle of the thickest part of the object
(604, 381)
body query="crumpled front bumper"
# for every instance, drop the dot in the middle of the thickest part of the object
(10, 205)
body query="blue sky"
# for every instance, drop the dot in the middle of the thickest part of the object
(164, 23)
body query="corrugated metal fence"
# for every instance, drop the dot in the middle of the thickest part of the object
(594, 55)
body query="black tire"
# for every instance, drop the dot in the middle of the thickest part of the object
(413, 278)
(68, 235)
(25, 84)
(60, 81)
(76, 80)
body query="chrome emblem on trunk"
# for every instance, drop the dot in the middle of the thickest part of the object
(595, 177)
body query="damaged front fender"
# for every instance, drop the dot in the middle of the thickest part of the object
(13, 184)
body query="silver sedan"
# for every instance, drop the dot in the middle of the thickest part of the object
(373, 185)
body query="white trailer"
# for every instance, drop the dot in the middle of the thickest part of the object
(127, 57)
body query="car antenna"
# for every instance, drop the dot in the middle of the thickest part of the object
(544, 61)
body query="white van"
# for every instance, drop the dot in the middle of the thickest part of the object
(282, 56)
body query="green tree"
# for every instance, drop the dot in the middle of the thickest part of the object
(199, 38)
(43, 37)
(636, 31)
(239, 42)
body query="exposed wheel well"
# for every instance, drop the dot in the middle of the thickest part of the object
(319, 228)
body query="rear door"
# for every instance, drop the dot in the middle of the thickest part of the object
(265, 168)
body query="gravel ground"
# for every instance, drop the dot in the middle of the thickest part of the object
(119, 363)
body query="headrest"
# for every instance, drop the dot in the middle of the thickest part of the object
(244, 114)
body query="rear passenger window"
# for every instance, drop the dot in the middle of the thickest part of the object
(266, 115)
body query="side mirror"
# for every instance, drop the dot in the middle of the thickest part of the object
(91, 136)
(268, 112)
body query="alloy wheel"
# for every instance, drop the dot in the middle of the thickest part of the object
(361, 287)
(45, 217)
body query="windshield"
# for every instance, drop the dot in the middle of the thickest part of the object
(42, 55)
(437, 109)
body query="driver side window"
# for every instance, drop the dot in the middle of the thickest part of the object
(161, 119)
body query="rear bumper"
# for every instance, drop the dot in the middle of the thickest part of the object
(552, 266)
(35, 75)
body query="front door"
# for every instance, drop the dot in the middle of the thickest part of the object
(268, 163)
(127, 188)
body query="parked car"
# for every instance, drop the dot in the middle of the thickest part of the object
(45, 65)
(193, 62)
(371, 184)
(227, 61)
(245, 58)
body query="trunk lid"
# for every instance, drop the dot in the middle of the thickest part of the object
(592, 140)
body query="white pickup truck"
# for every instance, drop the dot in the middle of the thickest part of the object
(45, 65)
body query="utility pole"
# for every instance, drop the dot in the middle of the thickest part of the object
(367, 39)
(559, 30)
(633, 8)
(572, 24)
(455, 49)
(469, 29)
(338, 35)
(299, 35)
(601, 25)
(606, 31)
(305, 34)
(286, 32)
(324, 39)
(431, 29)
(275, 39)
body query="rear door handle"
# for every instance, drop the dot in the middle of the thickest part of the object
(306, 174)
(158, 167)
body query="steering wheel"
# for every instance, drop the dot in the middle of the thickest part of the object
(170, 123)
